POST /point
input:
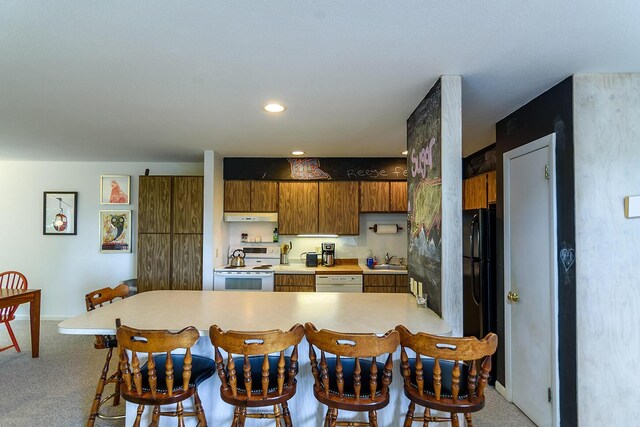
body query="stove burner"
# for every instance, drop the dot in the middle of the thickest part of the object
(262, 267)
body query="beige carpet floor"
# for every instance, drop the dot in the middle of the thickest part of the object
(56, 389)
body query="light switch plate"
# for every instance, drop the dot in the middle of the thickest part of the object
(632, 206)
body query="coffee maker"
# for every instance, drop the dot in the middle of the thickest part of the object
(328, 254)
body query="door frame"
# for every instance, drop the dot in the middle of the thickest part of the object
(545, 141)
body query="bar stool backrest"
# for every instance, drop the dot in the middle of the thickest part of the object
(11, 280)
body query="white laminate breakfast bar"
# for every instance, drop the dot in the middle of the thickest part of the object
(252, 311)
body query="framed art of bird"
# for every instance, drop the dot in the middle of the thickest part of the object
(115, 189)
(115, 231)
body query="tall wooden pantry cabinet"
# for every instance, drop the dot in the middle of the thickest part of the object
(170, 215)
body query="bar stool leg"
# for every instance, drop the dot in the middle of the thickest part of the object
(202, 420)
(286, 414)
(136, 423)
(373, 419)
(243, 416)
(95, 406)
(454, 420)
(180, 414)
(467, 416)
(277, 415)
(12, 336)
(408, 419)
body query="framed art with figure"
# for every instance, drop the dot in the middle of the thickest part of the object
(114, 189)
(115, 231)
(60, 213)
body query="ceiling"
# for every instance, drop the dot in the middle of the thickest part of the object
(165, 80)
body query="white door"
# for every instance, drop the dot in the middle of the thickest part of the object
(530, 278)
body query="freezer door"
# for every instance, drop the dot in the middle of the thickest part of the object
(470, 233)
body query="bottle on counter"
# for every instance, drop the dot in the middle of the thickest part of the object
(275, 234)
(370, 259)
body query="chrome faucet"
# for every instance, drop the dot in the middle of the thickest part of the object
(387, 258)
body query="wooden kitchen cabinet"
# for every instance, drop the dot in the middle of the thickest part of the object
(294, 282)
(492, 190)
(250, 196)
(170, 233)
(398, 196)
(479, 191)
(374, 196)
(338, 208)
(187, 204)
(298, 207)
(237, 196)
(264, 196)
(385, 283)
(154, 204)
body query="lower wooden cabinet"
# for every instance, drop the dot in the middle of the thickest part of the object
(187, 262)
(385, 283)
(295, 282)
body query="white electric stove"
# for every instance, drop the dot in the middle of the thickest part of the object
(257, 274)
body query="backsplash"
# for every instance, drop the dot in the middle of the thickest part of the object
(346, 246)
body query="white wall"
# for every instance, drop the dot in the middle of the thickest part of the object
(67, 267)
(452, 202)
(346, 246)
(607, 168)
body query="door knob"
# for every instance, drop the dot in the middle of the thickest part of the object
(513, 296)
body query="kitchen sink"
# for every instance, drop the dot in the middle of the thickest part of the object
(389, 267)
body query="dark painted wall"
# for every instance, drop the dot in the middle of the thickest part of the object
(481, 161)
(314, 168)
(550, 112)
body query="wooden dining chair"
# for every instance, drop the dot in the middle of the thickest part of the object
(446, 374)
(261, 358)
(351, 378)
(93, 300)
(11, 280)
(167, 377)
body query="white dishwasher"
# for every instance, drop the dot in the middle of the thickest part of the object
(339, 283)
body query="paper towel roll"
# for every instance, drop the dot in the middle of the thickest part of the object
(385, 228)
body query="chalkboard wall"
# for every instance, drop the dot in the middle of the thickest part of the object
(316, 168)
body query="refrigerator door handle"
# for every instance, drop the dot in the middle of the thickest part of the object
(476, 291)
(472, 236)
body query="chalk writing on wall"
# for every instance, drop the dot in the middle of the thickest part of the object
(375, 173)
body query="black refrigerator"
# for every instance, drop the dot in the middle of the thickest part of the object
(479, 272)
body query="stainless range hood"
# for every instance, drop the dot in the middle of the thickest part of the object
(251, 217)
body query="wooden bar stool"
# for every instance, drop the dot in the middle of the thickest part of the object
(437, 378)
(11, 280)
(352, 379)
(92, 301)
(262, 379)
(158, 382)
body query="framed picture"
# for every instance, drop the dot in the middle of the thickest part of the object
(115, 232)
(60, 213)
(114, 189)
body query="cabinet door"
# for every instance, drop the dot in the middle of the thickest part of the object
(187, 262)
(298, 208)
(492, 192)
(374, 196)
(398, 196)
(402, 283)
(187, 204)
(338, 208)
(295, 282)
(264, 196)
(154, 262)
(475, 192)
(237, 196)
(379, 283)
(154, 204)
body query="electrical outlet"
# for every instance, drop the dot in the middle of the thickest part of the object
(632, 206)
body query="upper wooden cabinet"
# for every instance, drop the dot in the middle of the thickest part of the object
(187, 204)
(492, 190)
(237, 196)
(264, 196)
(374, 196)
(398, 196)
(154, 204)
(250, 196)
(479, 191)
(338, 208)
(383, 196)
(298, 207)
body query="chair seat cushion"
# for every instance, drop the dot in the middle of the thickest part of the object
(256, 373)
(348, 365)
(446, 368)
(201, 369)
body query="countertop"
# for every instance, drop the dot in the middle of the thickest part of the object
(253, 311)
(299, 268)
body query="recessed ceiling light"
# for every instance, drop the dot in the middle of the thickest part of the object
(405, 152)
(297, 153)
(274, 108)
